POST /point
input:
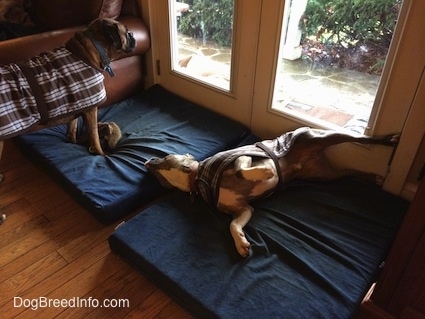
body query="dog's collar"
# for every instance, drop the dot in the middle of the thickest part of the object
(192, 179)
(101, 51)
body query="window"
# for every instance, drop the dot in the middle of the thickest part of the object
(201, 40)
(255, 47)
(331, 58)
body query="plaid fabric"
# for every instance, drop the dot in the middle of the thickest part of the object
(68, 85)
(211, 169)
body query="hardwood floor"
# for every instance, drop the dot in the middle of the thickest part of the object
(52, 248)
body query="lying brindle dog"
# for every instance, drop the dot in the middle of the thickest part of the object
(56, 87)
(230, 180)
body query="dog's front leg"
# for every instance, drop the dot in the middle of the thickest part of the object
(90, 121)
(240, 219)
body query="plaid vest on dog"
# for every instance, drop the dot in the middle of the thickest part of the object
(66, 83)
(211, 169)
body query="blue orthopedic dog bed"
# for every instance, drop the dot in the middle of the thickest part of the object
(154, 123)
(317, 248)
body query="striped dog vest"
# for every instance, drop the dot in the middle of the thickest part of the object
(65, 84)
(211, 169)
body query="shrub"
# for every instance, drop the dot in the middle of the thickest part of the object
(358, 32)
(210, 20)
(353, 27)
(351, 22)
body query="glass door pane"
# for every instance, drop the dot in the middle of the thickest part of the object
(201, 40)
(331, 58)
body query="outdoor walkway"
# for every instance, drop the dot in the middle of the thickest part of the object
(342, 97)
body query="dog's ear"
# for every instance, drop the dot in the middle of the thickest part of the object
(187, 167)
(112, 32)
(189, 156)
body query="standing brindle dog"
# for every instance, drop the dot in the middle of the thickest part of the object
(230, 180)
(58, 86)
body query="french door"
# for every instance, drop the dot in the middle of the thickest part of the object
(398, 89)
(188, 79)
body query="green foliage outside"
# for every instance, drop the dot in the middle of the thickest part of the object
(349, 23)
(350, 32)
(353, 34)
(209, 20)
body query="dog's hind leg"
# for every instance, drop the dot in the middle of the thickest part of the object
(1, 153)
(242, 162)
(71, 132)
(90, 121)
(317, 167)
(316, 139)
(258, 172)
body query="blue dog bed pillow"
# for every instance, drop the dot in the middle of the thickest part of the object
(153, 123)
(316, 249)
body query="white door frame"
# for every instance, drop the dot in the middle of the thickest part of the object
(235, 104)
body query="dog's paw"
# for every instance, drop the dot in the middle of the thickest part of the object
(242, 244)
(392, 139)
(2, 218)
(114, 135)
(244, 248)
(109, 134)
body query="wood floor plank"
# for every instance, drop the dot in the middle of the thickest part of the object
(69, 272)
(26, 260)
(11, 157)
(80, 285)
(151, 306)
(27, 180)
(120, 293)
(14, 168)
(20, 221)
(172, 310)
(12, 251)
(42, 199)
(31, 276)
(86, 241)
(52, 247)
(56, 234)
(66, 207)
(61, 231)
